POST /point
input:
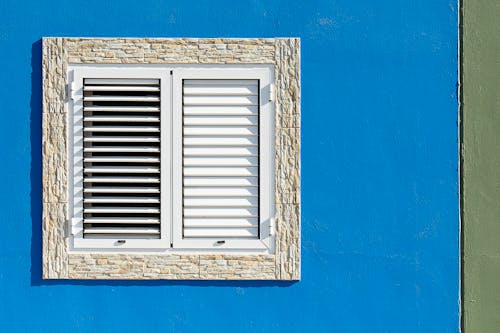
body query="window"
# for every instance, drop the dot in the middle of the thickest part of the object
(171, 158)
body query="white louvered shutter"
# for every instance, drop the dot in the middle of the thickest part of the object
(121, 158)
(220, 159)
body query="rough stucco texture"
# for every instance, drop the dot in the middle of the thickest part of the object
(284, 264)
(379, 179)
(481, 166)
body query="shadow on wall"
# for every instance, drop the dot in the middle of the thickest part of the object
(36, 163)
(36, 204)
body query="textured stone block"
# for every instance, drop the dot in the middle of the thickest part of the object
(283, 53)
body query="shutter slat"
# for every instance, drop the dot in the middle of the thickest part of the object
(220, 100)
(220, 202)
(124, 129)
(121, 149)
(220, 212)
(220, 151)
(221, 222)
(128, 169)
(220, 191)
(221, 161)
(121, 200)
(221, 232)
(221, 130)
(220, 89)
(220, 171)
(125, 82)
(130, 139)
(122, 210)
(121, 119)
(221, 110)
(221, 120)
(218, 82)
(122, 159)
(106, 98)
(129, 220)
(122, 108)
(122, 231)
(220, 181)
(119, 189)
(120, 88)
(220, 141)
(121, 182)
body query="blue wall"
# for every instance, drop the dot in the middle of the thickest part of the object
(379, 161)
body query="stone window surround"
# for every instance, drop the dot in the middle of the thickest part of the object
(60, 263)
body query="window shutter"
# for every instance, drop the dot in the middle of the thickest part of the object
(220, 159)
(121, 155)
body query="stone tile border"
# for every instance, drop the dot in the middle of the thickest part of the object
(59, 263)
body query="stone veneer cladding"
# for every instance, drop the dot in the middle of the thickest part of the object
(59, 263)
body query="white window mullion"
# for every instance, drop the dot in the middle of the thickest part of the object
(177, 187)
(165, 164)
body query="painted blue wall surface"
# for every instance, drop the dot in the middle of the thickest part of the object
(379, 171)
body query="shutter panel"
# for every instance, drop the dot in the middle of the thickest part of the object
(121, 155)
(220, 159)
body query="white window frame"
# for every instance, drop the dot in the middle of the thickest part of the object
(77, 74)
(171, 77)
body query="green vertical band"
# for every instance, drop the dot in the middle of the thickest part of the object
(481, 165)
